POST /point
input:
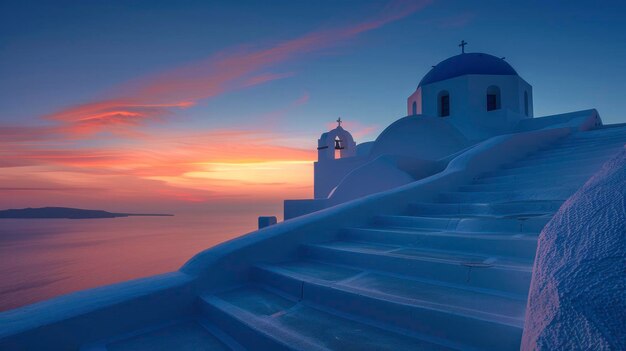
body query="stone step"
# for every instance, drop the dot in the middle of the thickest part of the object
(611, 129)
(533, 185)
(249, 329)
(517, 246)
(574, 149)
(184, 336)
(515, 224)
(541, 174)
(590, 145)
(513, 208)
(524, 180)
(428, 309)
(588, 166)
(595, 135)
(587, 139)
(266, 320)
(459, 268)
(551, 155)
(581, 156)
(564, 163)
(555, 193)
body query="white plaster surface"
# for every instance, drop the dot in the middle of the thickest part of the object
(577, 298)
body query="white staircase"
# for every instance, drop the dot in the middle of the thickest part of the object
(450, 274)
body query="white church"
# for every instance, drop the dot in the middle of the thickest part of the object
(468, 224)
(461, 101)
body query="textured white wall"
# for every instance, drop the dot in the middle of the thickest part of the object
(577, 297)
(328, 173)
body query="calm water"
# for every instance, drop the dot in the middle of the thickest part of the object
(43, 258)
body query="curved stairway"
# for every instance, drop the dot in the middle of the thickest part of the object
(450, 274)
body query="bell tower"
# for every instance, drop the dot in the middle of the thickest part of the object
(336, 157)
(335, 144)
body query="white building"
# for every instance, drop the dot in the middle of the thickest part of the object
(462, 100)
(478, 93)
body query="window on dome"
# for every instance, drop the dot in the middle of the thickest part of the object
(526, 103)
(414, 108)
(444, 104)
(493, 98)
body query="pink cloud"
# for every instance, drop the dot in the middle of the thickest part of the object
(302, 100)
(22, 134)
(162, 94)
(173, 165)
(264, 78)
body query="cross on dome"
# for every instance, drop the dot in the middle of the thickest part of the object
(339, 122)
(462, 45)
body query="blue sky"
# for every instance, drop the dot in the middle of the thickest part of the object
(149, 77)
(60, 53)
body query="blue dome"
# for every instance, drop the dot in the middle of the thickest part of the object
(471, 63)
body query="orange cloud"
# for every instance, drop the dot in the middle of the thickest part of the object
(177, 166)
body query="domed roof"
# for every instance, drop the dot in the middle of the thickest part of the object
(425, 137)
(337, 132)
(470, 63)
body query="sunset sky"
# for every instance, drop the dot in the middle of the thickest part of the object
(178, 106)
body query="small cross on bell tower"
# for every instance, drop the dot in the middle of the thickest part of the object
(462, 45)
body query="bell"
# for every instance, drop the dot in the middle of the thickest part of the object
(338, 145)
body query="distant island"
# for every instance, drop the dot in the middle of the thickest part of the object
(66, 212)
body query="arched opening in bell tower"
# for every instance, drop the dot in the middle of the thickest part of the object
(338, 147)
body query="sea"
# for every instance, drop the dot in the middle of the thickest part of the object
(44, 258)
